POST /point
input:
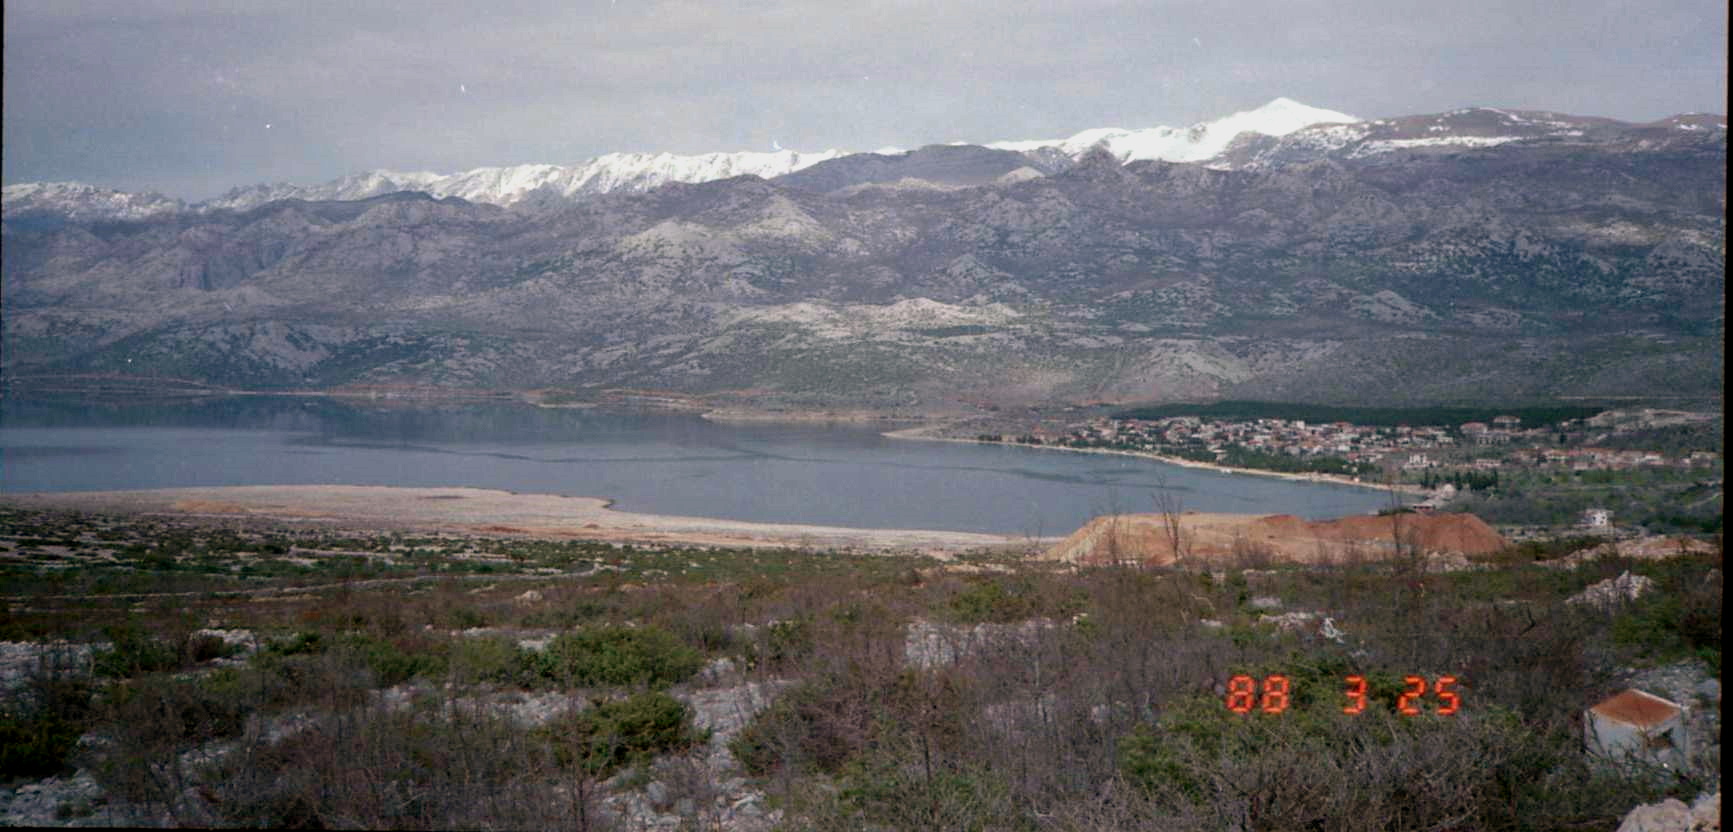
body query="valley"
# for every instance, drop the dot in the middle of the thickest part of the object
(586, 495)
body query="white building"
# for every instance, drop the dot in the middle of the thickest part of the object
(1637, 724)
(1418, 461)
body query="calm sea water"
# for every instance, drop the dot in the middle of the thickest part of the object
(653, 462)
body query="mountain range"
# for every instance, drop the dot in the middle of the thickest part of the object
(641, 171)
(1282, 253)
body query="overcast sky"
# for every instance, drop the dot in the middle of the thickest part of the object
(190, 98)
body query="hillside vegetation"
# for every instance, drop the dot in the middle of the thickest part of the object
(288, 677)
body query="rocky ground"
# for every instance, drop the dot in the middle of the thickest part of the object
(702, 787)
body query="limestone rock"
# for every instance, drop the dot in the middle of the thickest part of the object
(1672, 815)
(1612, 591)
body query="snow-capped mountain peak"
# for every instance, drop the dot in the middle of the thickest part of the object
(1279, 132)
(1465, 129)
(642, 171)
(1200, 142)
(356, 186)
(1277, 118)
(509, 184)
(78, 201)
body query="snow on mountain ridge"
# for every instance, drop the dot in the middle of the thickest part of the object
(506, 185)
(642, 171)
(357, 186)
(1198, 143)
(1281, 130)
(76, 200)
(1461, 130)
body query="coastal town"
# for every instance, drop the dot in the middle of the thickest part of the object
(1400, 452)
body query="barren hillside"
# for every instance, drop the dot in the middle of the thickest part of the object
(1219, 538)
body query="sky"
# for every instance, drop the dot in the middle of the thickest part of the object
(192, 98)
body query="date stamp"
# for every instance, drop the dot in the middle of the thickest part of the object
(1275, 694)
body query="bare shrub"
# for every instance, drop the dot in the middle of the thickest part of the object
(817, 726)
(1251, 555)
(692, 791)
(153, 722)
(41, 723)
(434, 767)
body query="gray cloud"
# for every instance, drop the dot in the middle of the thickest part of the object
(176, 96)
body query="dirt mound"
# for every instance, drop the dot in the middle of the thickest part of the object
(1460, 533)
(1228, 538)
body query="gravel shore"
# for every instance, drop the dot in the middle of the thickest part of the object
(491, 512)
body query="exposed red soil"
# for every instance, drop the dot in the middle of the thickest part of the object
(1226, 538)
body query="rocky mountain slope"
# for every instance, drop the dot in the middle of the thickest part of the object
(1500, 255)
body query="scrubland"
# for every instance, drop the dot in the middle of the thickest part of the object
(171, 672)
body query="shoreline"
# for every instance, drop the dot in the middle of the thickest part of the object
(740, 415)
(491, 512)
(922, 433)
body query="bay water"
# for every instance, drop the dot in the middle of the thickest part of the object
(646, 461)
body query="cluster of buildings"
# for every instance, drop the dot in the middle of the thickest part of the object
(1477, 445)
(1582, 459)
(1356, 443)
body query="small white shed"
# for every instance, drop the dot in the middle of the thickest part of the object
(1635, 724)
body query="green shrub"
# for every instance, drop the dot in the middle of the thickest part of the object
(889, 793)
(302, 643)
(1680, 617)
(35, 744)
(467, 618)
(611, 734)
(1149, 759)
(609, 655)
(992, 601)
(233, 684)
(488, 660)
(783, 641)
(133, 651)
(572, 615)
(394, 662)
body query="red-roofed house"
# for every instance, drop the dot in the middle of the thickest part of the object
(1637, 724)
